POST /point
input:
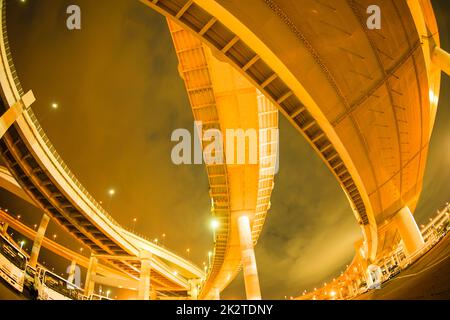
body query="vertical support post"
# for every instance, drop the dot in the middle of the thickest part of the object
(89, 286)
(409, 231)
(34, 256)
(251, 280)
(144, 281)
(216, 293)
(72, 268)
(193, 289)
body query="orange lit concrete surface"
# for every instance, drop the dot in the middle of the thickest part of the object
(365, 100)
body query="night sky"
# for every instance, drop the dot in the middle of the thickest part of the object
(120, 97)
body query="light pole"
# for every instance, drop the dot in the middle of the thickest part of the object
(22, 244)
(111, 193)
(134, 223)
(214, 226)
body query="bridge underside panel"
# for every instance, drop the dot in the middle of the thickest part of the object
(365, 92)
(370, 84)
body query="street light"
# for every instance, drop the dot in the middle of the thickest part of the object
(134, 223)
(188, 251)
(214, 226)
(22, 244)
(54, 237)
(108, 293)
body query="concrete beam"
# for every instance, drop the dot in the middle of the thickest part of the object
(441, 59)
(16, 110)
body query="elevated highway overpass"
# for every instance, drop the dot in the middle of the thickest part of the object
(163, 261)
(52, 187)
(364, 99)
(223, 100)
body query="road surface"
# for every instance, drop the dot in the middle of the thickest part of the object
(427, 279)
(8, 293)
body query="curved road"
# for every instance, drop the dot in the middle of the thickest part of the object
(8, 293)
(427, 279)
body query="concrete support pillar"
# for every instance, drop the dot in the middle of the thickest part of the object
(441, 59)
(251, 280)
(5, 229)
(409, 231)
(38, 240)
(89, 285)
(144, 281)
(216, 293)
(72, 269)
(193, 289)
(14, 112)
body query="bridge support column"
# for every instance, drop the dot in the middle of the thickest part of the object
(144, 281)
(38, 240)
(89, 285)
(14, 112)
(72, 268)
(216, 293)
(5, 229)
(409, 231)
(441, 59)
(251, 279)
(193, 290)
